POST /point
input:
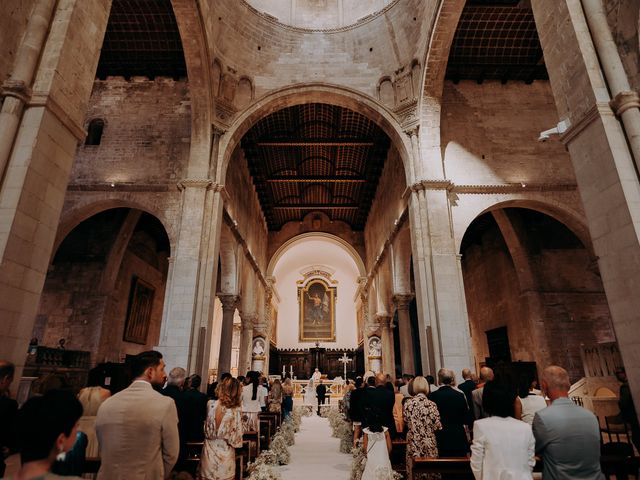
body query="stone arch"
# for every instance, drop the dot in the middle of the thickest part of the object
(312, 93)
(273, 261)
(190, 20)
(74, 217)
(564, 214)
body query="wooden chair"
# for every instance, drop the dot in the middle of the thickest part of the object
(265, 433)
(253, 438)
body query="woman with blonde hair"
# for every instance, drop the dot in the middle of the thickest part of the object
(422, 421)
(222, 432)
(91, 398)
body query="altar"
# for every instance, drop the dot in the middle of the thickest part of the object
(301, 363)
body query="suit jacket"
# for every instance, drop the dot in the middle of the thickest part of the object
(467, 387)
(355, 405)
(502, 448)
(568, 438)
(476, 396)
(321, 391)
(195, 415)
(454, 414)
(137, 430)
(377, 407)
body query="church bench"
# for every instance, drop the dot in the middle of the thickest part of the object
(265, 433)
(398, 455)
(253, 439)
(453, 465)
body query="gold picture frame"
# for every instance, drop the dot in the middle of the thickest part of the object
(317, 306)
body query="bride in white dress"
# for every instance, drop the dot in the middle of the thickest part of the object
(377, 445)
(310, 397)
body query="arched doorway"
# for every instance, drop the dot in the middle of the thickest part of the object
(104, 292)
(533, 291)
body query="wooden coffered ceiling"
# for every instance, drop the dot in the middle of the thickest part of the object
(315, 157)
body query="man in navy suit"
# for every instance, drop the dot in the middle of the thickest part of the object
(454, 415)
(567, 436)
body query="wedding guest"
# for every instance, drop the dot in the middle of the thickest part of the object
(503, 447)
(287, 397)
(557, 427)
(263, 394)
(47, 427)
(422, 421)
(397, 408)
(454, 415)
(406, 380)
(377, 404)
(275, 397)
(91, 398)
(377, 444)
(467, 386)
(355, 409)
(528, 402)
(223, 433)
(486, 375)
(196, 410)
(251, 399)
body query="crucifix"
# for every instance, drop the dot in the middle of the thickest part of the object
(344, 360)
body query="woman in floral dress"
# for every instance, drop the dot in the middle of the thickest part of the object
(422, 421)
(223, 433)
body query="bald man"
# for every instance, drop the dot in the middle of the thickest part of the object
(567, 436)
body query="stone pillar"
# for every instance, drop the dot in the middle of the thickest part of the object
(605, 171)
(41, 126)
(229, 305)
(246, 338)
(388, 357)
(407, 358)
(439, 289)
(186, 328)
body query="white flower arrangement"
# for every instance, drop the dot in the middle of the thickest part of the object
(279, 447)
(359, 461)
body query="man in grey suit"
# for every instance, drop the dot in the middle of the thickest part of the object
(567, 436)
(486, 375)
(137, 428)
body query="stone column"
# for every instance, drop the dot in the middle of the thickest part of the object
(388, 357)
(407, 358)
(229, 305)
(439, 289)
(246, 338)
(38, 148)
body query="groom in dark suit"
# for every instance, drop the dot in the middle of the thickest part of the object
(321, 392)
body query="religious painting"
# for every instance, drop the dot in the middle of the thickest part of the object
(316, 302)
(138, 319)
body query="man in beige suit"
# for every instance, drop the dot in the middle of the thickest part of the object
(137, 428)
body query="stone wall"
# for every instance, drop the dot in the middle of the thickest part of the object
(387, 207)
(624, 20)
(146, 135)
(13, 23)
(489, 134)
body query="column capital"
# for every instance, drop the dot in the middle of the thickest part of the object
(402, 300)
(16, 89)
(229, 301)
(248, 320)
(412, 131)
(625, 100)
(218, 130)
(194, 183)
(384, 319)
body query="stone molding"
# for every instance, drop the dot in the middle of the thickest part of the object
(402, 300)
(195, 183)
(229, 301)
(249, 320)
(596, 111)
(16, 89)
(625, 100)
(449, 186)
(120, 187)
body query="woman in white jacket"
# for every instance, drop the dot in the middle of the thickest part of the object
(503, 448)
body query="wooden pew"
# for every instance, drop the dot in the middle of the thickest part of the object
(265, 433)
(398, 455)
(453, 465)
(253, 438)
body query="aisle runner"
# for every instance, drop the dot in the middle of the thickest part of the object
(316, 454)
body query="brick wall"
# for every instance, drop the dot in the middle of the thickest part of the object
(146, 135)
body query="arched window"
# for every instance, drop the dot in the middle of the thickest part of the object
(94, 134)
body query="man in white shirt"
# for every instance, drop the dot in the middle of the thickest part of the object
(263, 393)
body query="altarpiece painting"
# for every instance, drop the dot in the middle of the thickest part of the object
(317, 300)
